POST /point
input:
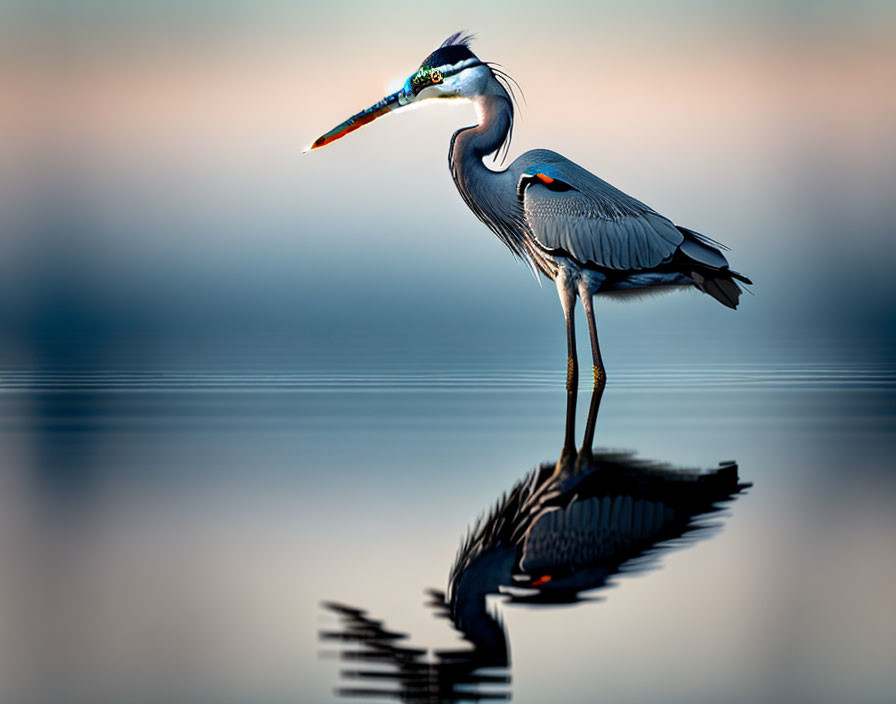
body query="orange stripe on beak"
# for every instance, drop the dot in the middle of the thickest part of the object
(364, 117)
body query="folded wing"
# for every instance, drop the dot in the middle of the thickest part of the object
(570, 211)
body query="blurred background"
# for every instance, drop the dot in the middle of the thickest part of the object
(237, 380)
(156, 206)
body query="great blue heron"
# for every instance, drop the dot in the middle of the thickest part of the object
(564, 222)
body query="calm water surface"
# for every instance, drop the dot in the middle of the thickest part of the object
(268, 536)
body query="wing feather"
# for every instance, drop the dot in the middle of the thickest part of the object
(592, 221)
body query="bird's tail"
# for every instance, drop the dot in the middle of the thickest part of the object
(702, 258)
(720, 284)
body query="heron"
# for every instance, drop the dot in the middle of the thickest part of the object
(565, 223)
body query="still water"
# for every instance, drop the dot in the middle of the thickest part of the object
(279, 536)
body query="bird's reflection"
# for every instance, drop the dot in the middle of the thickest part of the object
(560, 532)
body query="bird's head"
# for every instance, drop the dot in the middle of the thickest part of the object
(452, 71)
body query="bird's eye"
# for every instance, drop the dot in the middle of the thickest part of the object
(436, 76)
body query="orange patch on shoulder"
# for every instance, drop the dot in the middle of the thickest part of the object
(547, 578)
(544, 178)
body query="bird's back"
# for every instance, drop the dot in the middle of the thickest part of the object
(570, 211)
(604, 194)
(571, 214)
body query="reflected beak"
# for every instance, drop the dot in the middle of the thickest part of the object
(384, 107)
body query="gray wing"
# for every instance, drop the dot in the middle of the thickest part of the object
(574, 211)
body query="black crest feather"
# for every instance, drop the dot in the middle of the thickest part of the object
(458, 39)
(455, 48)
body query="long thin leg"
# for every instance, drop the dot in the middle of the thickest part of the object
(600, 375)
(568, 301)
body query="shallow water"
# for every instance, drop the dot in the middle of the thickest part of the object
(172, 537)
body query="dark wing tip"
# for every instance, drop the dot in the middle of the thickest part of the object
(723, 289)
(740, 277)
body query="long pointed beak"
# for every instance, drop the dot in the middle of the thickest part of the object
(384, 107)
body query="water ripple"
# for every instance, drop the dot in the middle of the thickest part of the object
(713, 377)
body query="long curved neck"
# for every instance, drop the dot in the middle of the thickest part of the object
(495, 114)
(491, 195)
